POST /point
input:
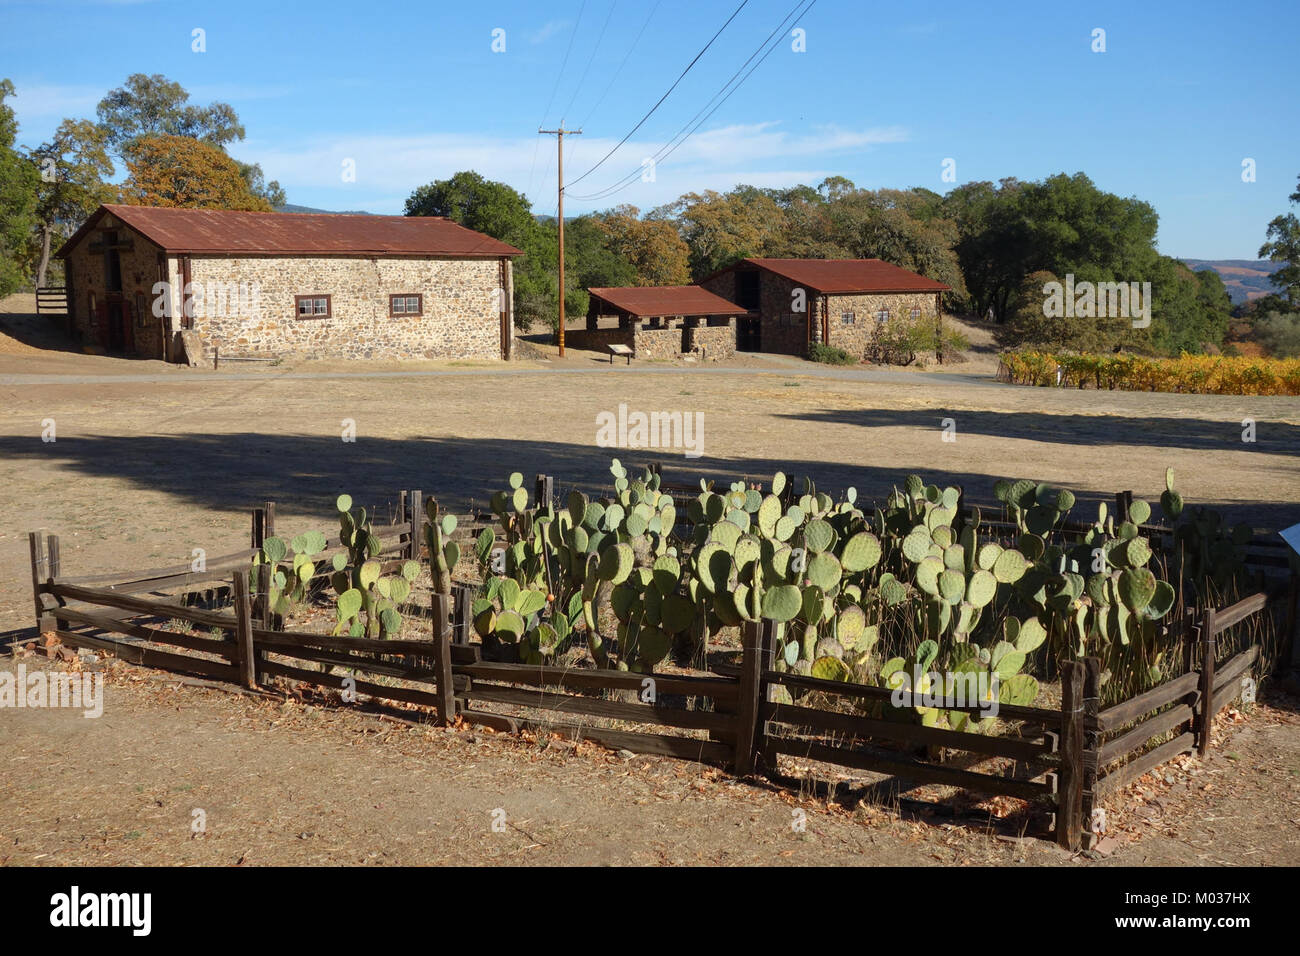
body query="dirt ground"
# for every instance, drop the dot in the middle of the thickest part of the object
(151, 461)
(279, 782)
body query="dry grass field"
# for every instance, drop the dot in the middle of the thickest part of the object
(151, 461)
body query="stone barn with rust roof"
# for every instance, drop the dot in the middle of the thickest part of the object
(791, 303)
(143, 280)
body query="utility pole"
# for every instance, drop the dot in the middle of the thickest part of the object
(559, 135)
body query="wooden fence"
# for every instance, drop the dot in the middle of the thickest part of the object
(744, 717)
(51, 300)
(1067, 757)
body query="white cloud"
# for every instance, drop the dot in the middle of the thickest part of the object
(761, 154)
(547, 30)
(45, 100)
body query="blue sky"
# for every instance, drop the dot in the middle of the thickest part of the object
(883, 94)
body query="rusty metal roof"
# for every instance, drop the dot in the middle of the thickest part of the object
(844, 276)
(650, 301)
(235, 233)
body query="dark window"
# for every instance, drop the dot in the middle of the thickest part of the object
(142, 312)
(399, 305)
(312, 306)
(747, 289)
(847, 318)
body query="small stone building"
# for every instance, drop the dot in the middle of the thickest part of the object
(791, 303)
(142, 280)
(660, 321)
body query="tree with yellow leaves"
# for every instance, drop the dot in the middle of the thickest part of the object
(180, 171)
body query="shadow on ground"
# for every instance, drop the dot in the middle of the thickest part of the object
(1067, 429)
(45, 332)
(234, 472)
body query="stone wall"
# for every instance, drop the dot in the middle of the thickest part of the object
(723, 285)
(460, 317)
(857, 336)
(87, 280)
(716, 341)
(662, 342)
(657, 343)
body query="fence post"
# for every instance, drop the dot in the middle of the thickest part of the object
(243, 655)
(462, 616)
(1069, 786)
(36, 542)
(544, 491)
(1122, 499)
(1206, 716)
(415, 502)
(268, 520)
(751, 670)
(1091, 745)
(54, 567)
(263, 614)
(262, 599)
(446, 693)
(259, 528)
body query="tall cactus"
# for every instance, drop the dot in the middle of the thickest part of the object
(444, 554)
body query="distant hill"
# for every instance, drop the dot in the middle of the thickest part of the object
(290, 207)
(1246, 279)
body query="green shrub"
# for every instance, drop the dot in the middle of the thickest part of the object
(928, 336)
(829, 355)
(1279, 332)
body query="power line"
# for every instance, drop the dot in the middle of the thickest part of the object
(587, 69)
(688, 129)
(610, 85)
(565, 62)
(640, 122)
(555, 89)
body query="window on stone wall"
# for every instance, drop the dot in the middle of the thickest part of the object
(916, 313)
(312, 306)
(399, 305)
(882, 316)
(142, 313)
(847, 318)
